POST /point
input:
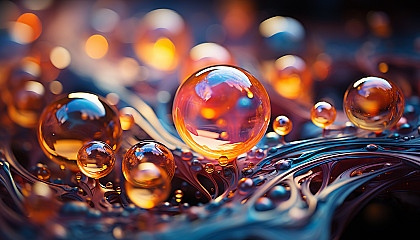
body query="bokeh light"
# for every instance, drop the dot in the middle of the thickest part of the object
(60, 57)
(96, 46)
(26, 29)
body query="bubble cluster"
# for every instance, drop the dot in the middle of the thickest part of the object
(221, 111)
(69, 123)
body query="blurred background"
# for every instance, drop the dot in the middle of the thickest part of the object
(302, 52)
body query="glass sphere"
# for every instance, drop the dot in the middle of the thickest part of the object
(221, 111)
(69, 123)
(374, 104)
(282, 125)
(96, 159)
(148, 185)
(323, 114)
(147, 151)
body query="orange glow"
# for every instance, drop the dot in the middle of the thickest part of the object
(160, 54)
(289, 77)
(26, 29)
(288, 86)
(96, 46)
(383, 67)
(162, 40)
(208, 113)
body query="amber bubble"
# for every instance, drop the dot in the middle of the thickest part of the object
(96, 159)
(42, 172)
(282, 125)
(323, 114)
(221, 111)
(148, 186)
(147, 151)
(209, 168)
(69, 123)
(223, 161)
(374, 104)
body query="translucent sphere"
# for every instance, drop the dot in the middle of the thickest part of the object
(26, 103)
(282, 125)
(148, 185)
(374, 104)
(147, 151)
(323, 114)
(96, 159)
(71, 122)
(221, 111)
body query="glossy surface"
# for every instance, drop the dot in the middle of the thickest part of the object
(148, 185)
(374, 104)
(96, 159)
(282, 125)
(323, 114)
(147, 151)
(69, 123)
(221, 111)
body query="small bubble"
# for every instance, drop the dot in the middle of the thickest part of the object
(186, 155)
(259, 154)
(109, 185)
(223, 161)
(371, 147)
(196, 165)
(209, 167)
